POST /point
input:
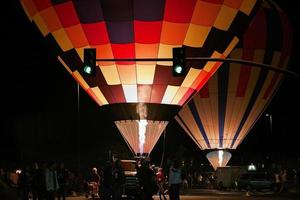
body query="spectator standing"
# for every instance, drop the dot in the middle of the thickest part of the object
(283, 179)
(160, 178)
(38, 183)
(277, 181)
(174, 181)
(62, 177)
(52, 185)
(118, 180)
(24, 183)
(147, 180)
(107, 181)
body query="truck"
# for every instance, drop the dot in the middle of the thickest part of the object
(227, 177)
(131, 189)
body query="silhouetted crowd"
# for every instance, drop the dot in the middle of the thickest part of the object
(39, 181)
(51, 180)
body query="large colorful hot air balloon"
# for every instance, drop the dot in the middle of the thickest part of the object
(144, 96)
(220, 116)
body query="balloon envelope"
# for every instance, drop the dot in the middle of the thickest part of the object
(141, 29)
(218, 158)
(227, 107)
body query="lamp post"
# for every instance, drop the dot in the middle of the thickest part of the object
(271, 122)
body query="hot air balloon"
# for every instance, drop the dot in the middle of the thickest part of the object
(220, 116)
(143, 96)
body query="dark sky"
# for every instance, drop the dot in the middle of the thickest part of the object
(40, 112)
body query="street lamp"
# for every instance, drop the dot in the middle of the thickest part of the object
(271, 122)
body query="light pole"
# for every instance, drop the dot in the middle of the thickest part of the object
(271, 122)
(78, 129)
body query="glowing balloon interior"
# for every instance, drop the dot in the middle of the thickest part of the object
(218, 158)
(141, 139)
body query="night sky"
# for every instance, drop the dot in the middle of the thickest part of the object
(41, 120)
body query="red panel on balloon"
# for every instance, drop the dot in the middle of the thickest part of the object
(214, 1)
(105, 89)
(96, 33)
(42, 4)
(162, 75)
(157, 93)
(256, 39)
(118, 93)
(123, 51)
(245, 73)
(67, 14)
(179, 11)
(204, 92)
(202, 78)
(147, 32)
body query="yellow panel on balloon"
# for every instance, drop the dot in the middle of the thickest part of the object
(130, 92)
(110, 74)
(166, 51)
(62, 39)
(145, 74)
(127, 74)
(209, 65)
(180, 93)
(190, 77)
(225, 18)
(169, 94)
(93, 96)
(99, 95)
(232, 44)
(41, 24)
(146, 51)
(196, 35)
(247, 6)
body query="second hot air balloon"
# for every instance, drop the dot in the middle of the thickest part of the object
(220, 116)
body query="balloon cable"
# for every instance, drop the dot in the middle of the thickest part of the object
(164, 147)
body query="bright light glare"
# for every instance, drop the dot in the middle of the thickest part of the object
(251, 167)
(142, 131)
(220, 153)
